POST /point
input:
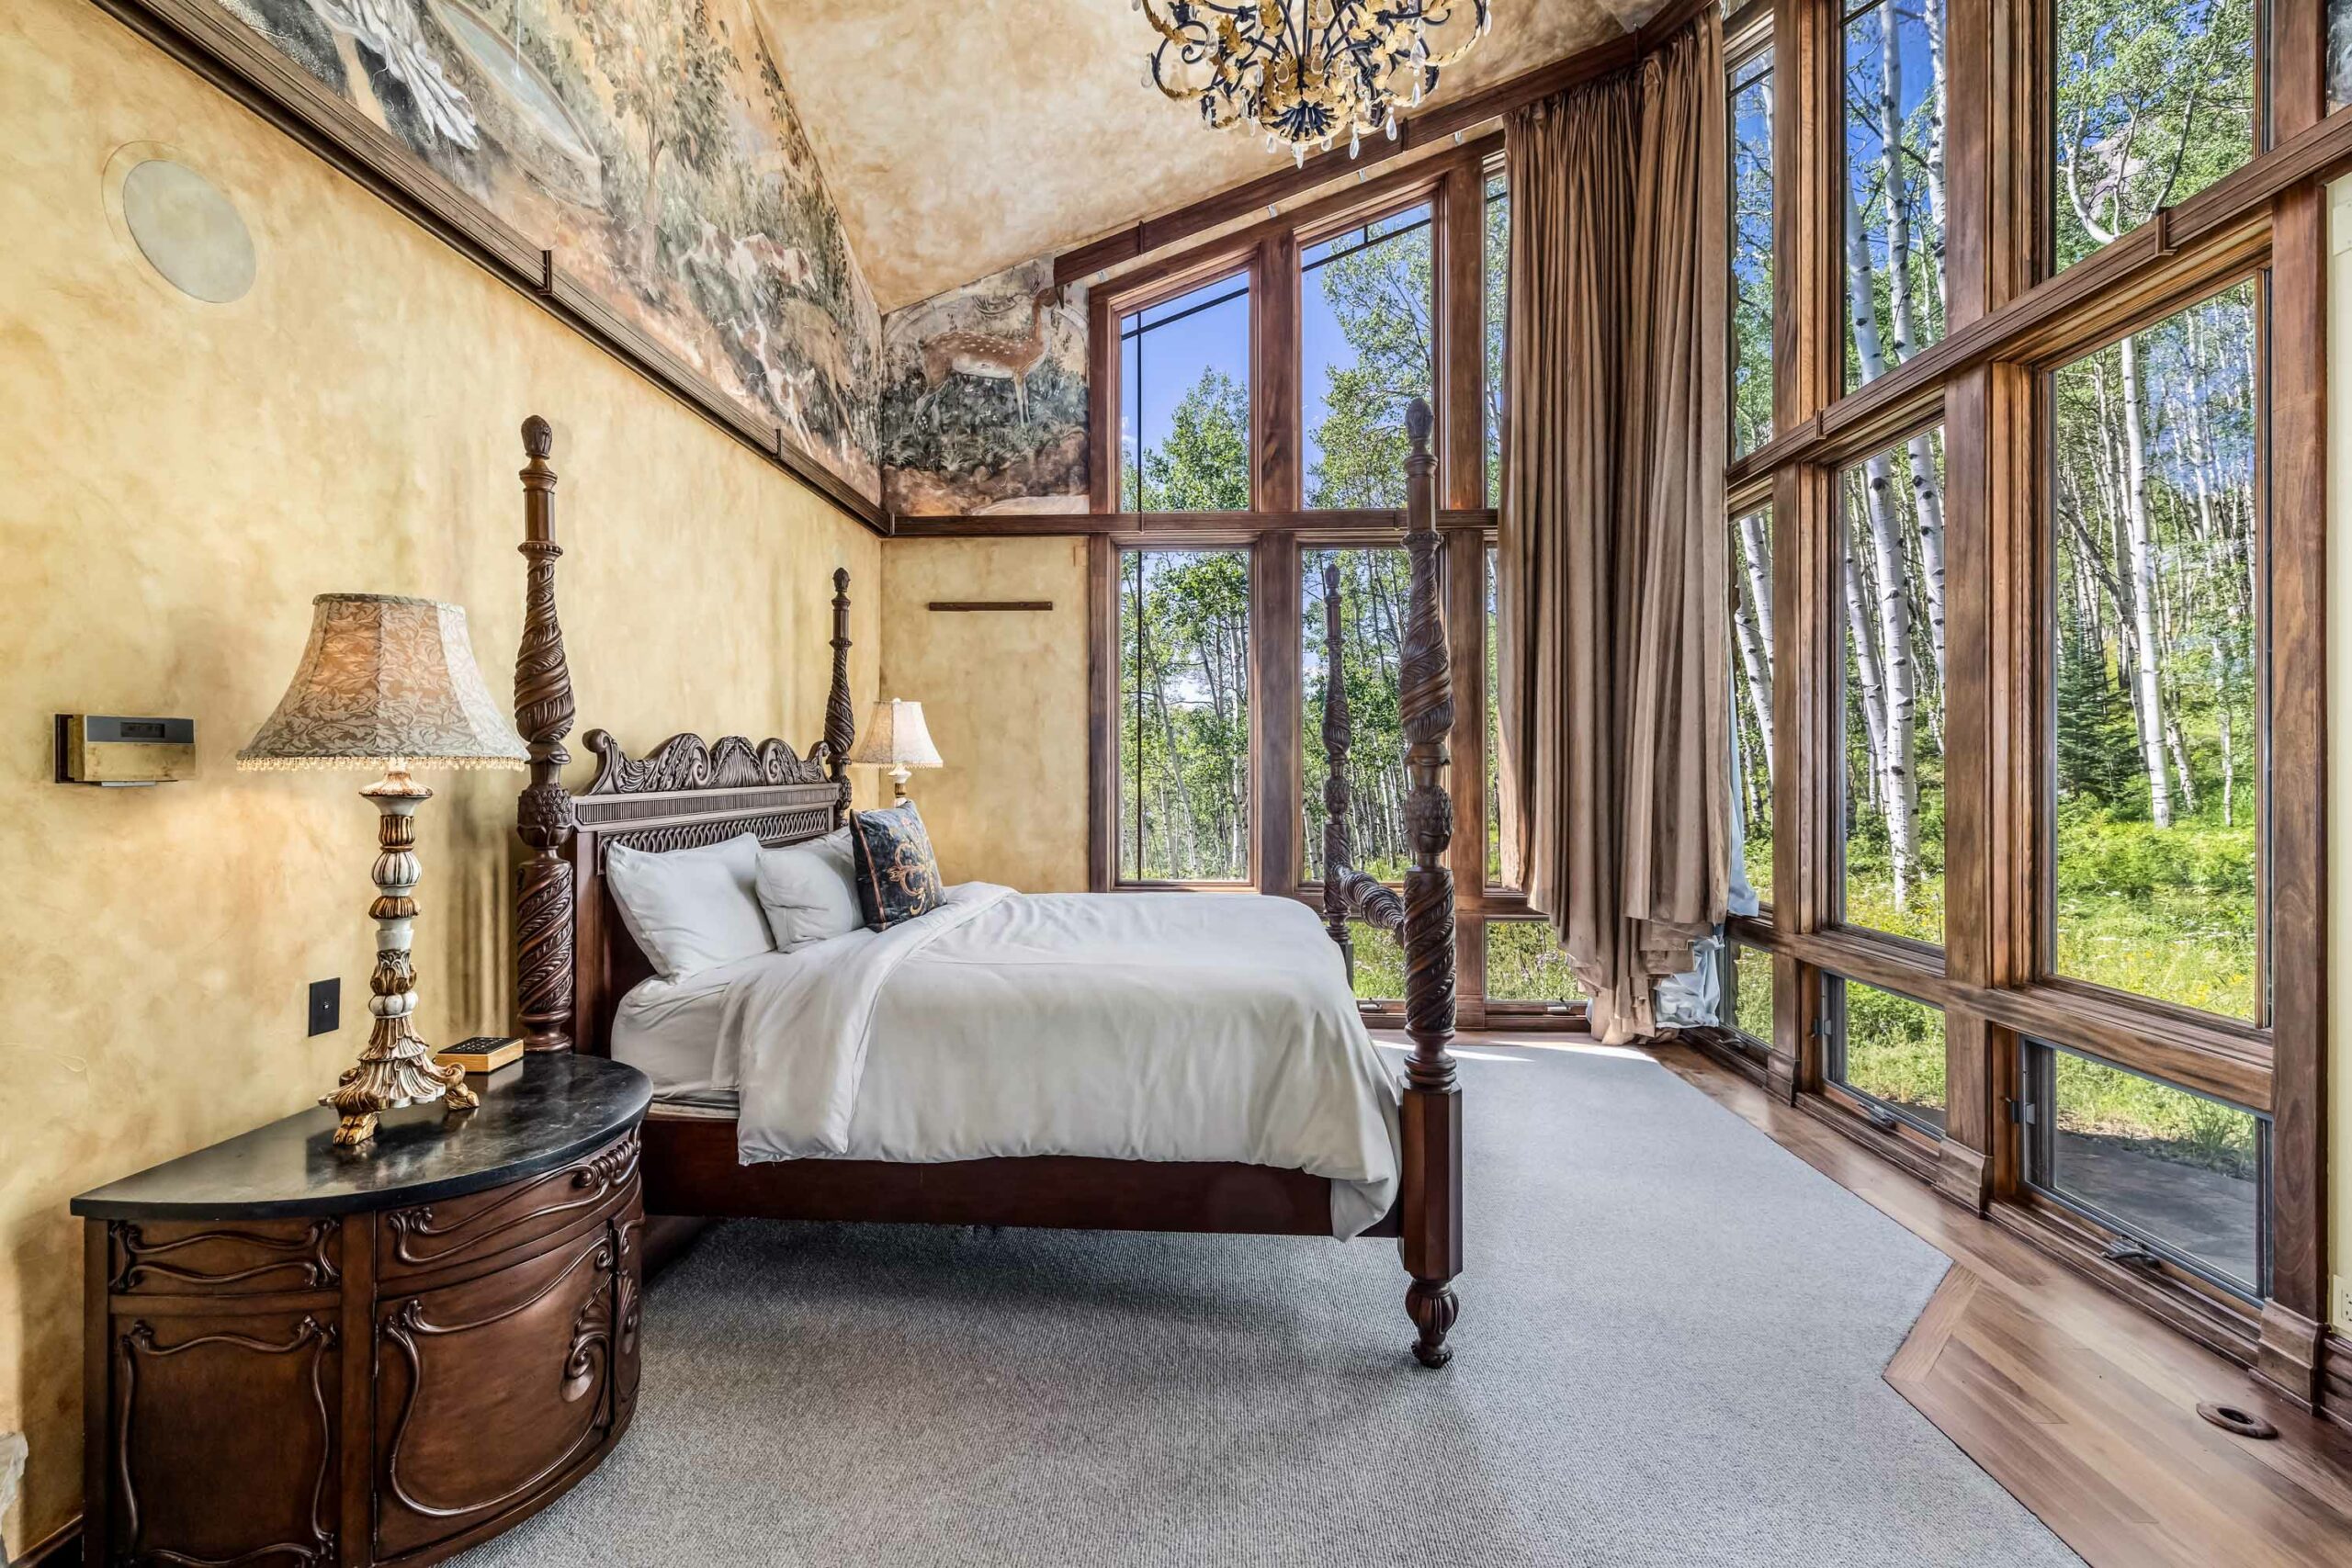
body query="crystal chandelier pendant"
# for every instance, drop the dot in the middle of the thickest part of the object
(1302, 71)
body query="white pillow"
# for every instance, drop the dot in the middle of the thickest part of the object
(809, 891)
(691, 909)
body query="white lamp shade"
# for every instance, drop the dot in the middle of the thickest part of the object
(896, 737)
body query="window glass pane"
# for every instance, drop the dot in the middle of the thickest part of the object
(1751, 617)
(1497, 828)
(1184, 716)
(2152, 103)
(1524, 964)
(2179, 1171)
(2154, 690)
(1892, 592)
(1364, 309)
(1374, 585)
(1751, 253)
(1889, 1048)
(1893, 256)
(2339, 54)
(1497, 299)
(1380, 963)
(1751, 1002)
(1184, 402)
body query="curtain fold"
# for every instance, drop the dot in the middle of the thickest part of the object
(1613, 668)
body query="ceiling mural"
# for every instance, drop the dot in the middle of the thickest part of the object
(963, 138)
(984, 398)
(652, 146)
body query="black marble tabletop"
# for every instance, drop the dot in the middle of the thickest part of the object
(549, 1110)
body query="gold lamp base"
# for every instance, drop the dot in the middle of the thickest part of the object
(396, 1067)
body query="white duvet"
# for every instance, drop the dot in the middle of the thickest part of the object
(1171, 1026)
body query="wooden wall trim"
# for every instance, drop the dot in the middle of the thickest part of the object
(1374, 525)
(224, 51)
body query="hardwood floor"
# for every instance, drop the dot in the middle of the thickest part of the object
(2083, 1407)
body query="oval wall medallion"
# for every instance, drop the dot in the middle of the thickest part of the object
(188, 231)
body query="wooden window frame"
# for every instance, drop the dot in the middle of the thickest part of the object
(2010, 317)
(1280, 528)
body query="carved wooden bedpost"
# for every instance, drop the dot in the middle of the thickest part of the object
(1431, 1117)
(841, 718)
(543, 712)
(1430, 1204)
(1337, 736)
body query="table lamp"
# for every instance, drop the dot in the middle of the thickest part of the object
(897, 738)
(392, 683)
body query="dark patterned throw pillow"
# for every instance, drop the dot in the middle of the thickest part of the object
(898, 873)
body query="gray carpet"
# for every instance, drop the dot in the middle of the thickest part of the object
(1669, 1352)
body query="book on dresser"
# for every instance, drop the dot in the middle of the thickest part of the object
(482, 1053)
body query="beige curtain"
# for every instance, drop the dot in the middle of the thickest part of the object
(1614, 672)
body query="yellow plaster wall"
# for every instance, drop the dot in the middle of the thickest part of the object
(176, 480)
(1005, 693)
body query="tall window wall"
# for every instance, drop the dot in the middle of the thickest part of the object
(2030, 791)
(1260, 384)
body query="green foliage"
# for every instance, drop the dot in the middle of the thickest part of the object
(1381, 295)
(2154, 102)
(1183, 715)
(1204, 465)
(1895, 1049)
(2097, 1100)
(1524, 964)
(1375, 586)
(1751, 1003)
(1751, 256)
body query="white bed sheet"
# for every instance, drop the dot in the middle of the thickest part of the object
(1128, 1026)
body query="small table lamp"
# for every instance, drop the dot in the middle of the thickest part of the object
(390, 682)
(896, 737)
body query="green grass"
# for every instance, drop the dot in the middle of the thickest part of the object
(1523, 964)
(2152, 1117)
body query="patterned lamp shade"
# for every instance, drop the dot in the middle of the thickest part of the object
(386, 678)
(896, 737)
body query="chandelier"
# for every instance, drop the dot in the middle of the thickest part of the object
(1306, 71)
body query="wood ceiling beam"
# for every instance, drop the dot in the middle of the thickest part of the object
(1415, 133)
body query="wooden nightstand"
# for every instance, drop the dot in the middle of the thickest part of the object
(318, 1356)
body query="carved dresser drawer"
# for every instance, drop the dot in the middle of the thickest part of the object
(306, 1356)
(428, 1237)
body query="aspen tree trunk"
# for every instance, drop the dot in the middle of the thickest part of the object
(1760, 676)
(1899, 701)
(1863, 642)
(2140, 565)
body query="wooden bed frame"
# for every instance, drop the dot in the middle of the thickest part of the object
(576, 959)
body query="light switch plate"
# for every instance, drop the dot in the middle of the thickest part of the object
(326, 1005)
(2342, 1310)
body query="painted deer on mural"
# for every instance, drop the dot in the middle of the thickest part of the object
(989, 356)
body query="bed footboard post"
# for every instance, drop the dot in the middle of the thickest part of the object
(1430, 1119)
(1336, 738)
(543, 815)
(841, 718)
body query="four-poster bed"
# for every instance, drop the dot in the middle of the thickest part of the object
(577, 959)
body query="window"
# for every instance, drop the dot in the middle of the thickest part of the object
(1751, 993)
(1524, 964)
(1887, 1049)
(1375, 587)
(1498, 829)
(1750, 578)
(1751, 253)
(1184, 716)
(1184, 402)
(2183, 1175)
(1894, 258)
(1497, 255)
(1364, 327)
(2154, 706)
(1892, 582)
(2152, 103)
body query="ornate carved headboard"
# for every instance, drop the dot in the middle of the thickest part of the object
(575, 956)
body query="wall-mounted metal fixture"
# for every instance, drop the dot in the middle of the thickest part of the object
(118, 752)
